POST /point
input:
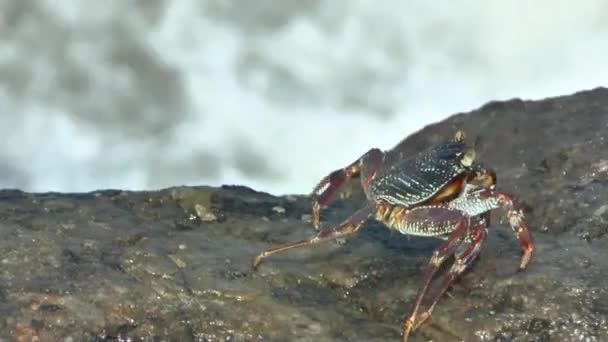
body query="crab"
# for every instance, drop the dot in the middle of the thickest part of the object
(439, 192)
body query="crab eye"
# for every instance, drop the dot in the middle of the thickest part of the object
(459, 136)
(467, 157)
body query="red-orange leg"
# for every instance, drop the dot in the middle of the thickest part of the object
(518, 224)
(330, 184)
(446, 249)
(348, 226)
(327, 188)
(462, 261)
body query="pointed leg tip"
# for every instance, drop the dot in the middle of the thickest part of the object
(256, 262)
(407, 329)
(524, 262)
(406, 336)
(522, 267)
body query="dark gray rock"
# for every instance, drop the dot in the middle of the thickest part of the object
(175, 264)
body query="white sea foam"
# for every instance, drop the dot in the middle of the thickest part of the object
(273, 108)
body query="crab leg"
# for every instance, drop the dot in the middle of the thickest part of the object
(327, 188)
(446, 249)
(330, 184)
(348, 226)
(462, 262)
(517, 222)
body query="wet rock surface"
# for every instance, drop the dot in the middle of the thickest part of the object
(175, 264)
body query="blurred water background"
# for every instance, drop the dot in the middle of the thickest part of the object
(145, 94)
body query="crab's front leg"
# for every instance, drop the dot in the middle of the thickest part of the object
(366, 165)
(464, 258)
(431, 220)
(516, 220)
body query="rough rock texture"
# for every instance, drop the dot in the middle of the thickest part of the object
(175, 264)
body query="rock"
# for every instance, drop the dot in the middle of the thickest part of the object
(175, 264)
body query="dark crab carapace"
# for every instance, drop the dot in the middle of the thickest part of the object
(440, 192)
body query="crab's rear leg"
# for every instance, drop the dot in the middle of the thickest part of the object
(322, 194)
(348, 226)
